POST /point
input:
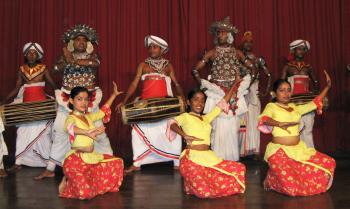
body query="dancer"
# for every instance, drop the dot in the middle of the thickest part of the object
(87, 172)
(79, 65)
(294, 169)
(226, 62)
(206, 175)
(250, 137)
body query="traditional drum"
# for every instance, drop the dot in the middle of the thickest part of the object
(13, 114)
(299, 99)
(152, 110)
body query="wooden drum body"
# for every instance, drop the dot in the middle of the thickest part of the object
(14, 114)
(300, 99)
(152, 110)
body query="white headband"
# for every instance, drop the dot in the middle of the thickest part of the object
(298, 43)
(34, 46)
(157, 41)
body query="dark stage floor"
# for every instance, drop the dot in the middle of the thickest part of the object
(159, 187)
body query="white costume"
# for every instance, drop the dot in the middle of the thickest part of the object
(33, 140)
(250, 139)
(3, 147)
(150, 143)
(225, 131)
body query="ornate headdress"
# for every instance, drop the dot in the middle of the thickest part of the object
(247, 36)
(223, 25)
(80, 30)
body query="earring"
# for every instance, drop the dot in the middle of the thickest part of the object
(273, 94)
(70, 46)
(89, 47)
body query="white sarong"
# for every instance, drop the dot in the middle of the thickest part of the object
(250, 138)
(225, 128)
(150, 143)
(34, 139)
(3, 147)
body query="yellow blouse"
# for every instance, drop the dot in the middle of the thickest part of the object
(274, 111)
(194, 126)
(82, 140)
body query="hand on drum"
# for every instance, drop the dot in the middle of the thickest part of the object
(118, 107)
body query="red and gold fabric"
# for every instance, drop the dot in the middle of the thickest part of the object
(206, 175)
(32, 72)
(224, 179)
(34, 92)
(85, 181)
(154, 86)
(89, 173)
(294, 170)
(298, 170)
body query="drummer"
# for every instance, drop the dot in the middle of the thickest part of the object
(33, 141)
(149, 141)
(299, 75)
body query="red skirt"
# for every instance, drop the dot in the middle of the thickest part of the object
(86, 181)
(205, 182)
(294, 178)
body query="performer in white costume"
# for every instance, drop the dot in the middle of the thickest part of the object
(299, 75)
(33, 141)
(79, 64)
(250, 136)
(227, 63)
(149, 141)
(3, 150)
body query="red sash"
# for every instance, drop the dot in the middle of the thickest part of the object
(34, 94)
(154, 87)
(301, 85)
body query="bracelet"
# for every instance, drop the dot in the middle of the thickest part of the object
(90, 62)
(195, 72)
(204, 61)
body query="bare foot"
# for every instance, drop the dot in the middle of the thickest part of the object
(45, 174)
(3, 173)
(14, 168)
(330, 182)
(256, 157)
(131, 169)
(266, 187)
(62, 185)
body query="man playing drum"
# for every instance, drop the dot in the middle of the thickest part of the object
(79, 64)
(33, 141)
(299, 75)
(149, 141)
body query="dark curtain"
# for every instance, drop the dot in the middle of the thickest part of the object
(122, 26)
